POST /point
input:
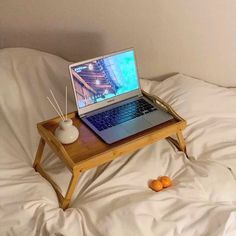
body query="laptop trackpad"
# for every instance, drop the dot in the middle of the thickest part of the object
(136, 125)
(158, 117)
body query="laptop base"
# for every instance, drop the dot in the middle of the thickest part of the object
(121, 131)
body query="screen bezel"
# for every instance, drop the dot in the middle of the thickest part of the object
(108, 101)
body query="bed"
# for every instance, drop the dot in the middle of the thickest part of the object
(114, 199)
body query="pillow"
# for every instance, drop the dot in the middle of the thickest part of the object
(26, 77)
(210, 112)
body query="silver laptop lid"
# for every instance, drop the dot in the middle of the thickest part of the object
(105, 80)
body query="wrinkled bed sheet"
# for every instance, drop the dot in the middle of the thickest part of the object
(114, 199)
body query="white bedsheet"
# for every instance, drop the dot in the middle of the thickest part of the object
(114, 199)
(211, 115)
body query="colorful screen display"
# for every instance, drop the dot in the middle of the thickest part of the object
(105, 78)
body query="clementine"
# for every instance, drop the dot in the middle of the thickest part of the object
(166, 181)
(156, 185)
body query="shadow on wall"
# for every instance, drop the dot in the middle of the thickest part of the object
(69, 45)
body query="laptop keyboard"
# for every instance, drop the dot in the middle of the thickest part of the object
(121, 114)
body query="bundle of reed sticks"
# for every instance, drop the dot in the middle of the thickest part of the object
(56, 106)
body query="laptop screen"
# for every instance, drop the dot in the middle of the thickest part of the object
(104, 78)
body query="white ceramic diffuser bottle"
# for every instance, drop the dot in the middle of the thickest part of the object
(66, 132)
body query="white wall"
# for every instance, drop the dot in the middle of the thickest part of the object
(195, 37)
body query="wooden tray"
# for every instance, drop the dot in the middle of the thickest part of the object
(90, 151)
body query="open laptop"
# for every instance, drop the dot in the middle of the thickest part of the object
(109, 98)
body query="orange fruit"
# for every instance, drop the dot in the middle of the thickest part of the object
(156, 185)
(166, 181)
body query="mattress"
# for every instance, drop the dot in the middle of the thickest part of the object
(114, 199)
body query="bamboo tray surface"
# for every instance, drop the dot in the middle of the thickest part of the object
(89, 144)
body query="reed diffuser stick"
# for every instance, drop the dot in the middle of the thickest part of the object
(59, 109)
(66, 102)
(55, 109)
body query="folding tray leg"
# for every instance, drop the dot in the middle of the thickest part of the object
(182, 144)
(179, 143)
(64, 201)
(39, 153)
(73, 182)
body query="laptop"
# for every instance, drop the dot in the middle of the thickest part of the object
(109, 98)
